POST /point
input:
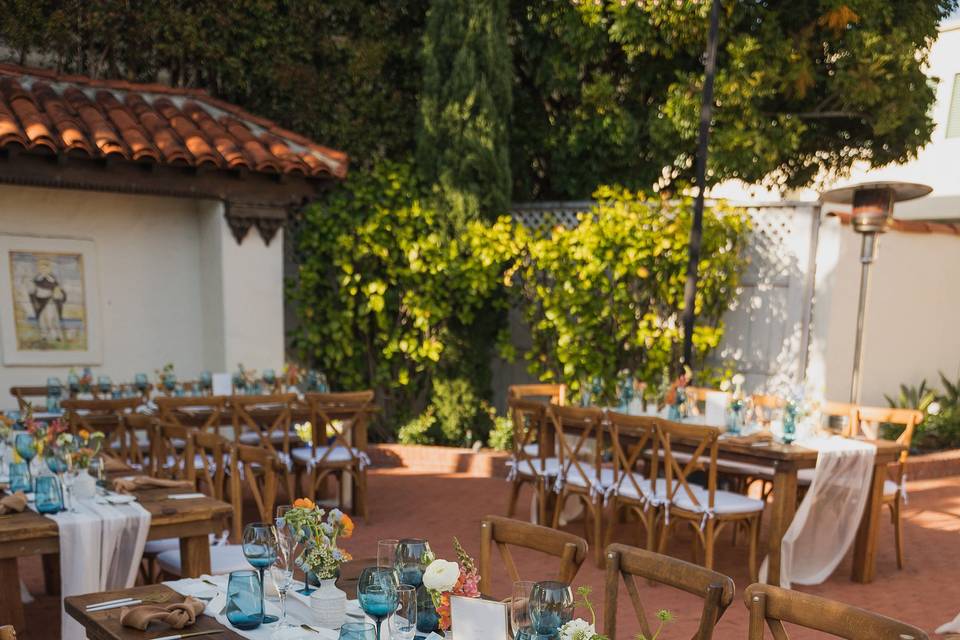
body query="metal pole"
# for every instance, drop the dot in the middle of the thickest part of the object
(703, 140)
(868, 253)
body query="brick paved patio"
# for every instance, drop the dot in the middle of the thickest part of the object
(406, 504)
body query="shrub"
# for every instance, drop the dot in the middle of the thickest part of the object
(501, 435)
(940, 428)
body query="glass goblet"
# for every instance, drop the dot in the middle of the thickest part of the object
(377, 592)
(26, 447)
(244, 600)
(357, 631)
(403, 622)
(551, 606)
(520, 623)
(281, 572)
(259, 547)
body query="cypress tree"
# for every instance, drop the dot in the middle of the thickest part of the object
(462, 142)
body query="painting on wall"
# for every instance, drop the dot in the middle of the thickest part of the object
(50, 302)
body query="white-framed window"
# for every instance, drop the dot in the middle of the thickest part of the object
(953, 116)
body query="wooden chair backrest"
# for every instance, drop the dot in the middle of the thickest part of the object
(134, 423)
(24, 393)
(257, 468)
(171, 451)
(705, 441)
(775, 606)
(529, 420)
(697, 394)
(844, 410)
(715, 589)
(172, 409)
(213, 450)
(554, 393)
(585, 426)
(276, 406)
(106, 415)
(634, 438)
(331, 432)
(505, 532)
(869, 419)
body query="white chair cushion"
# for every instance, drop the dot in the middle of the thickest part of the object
(628, 490)
(253, 438)
(723, 501)
(536, 466)
(805, 476)
(890, 487)
(339, 453)
(156, 547)
(532, 449)
(223, 559)
(574, 477)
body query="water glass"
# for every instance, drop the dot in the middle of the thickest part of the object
(244, 600)
(26, 446)
(104, 384)
(48, 495)
(403, 623)
(281, 572)
(411, 560)
(206, 380)
(20, 477)
(357, 631)
(551, 606)
(387, 553)
(377, 592)
(260, 550)
(520, 622)
(140, 381)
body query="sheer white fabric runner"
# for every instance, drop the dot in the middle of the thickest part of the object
(100, 550)
(827, 520)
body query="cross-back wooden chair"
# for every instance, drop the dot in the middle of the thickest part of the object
(211, 459)
(706, 509)
(31, 397)
(843, 414)
(108, 416)
(774, 606)
(715, 589)
(171, 451)
(639, 489)
(529, 464)
(580, 435)
(335, 449)
(765, 405)
(571, 550)
(869, 422)
(265, 421)
(552, 393)
(259, 470)
(206, 413)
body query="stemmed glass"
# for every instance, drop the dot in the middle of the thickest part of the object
(377, 591)
(520, 622)
(282, 526)
(281, 571)
(412, 554)
(357, 631)
(551, 606)
(403, 622)
(259, 547)
(26, 448)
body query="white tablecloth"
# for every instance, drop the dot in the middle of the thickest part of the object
(827, 520)
(100, 550)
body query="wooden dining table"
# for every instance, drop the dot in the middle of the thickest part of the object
(786, 460)
(29, 534)
(105, 625)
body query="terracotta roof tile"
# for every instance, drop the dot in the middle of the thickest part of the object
(40, 108)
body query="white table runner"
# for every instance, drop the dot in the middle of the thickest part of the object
(827, 520)
(100, 550)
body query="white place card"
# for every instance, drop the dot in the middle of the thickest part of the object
(222, 384)
(478, 619)
(716, 408)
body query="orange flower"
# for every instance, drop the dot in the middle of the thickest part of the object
(84, 434)
(347, 526)
(303, 503)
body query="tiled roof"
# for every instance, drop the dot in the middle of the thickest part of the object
(43, 110)
(947, 227)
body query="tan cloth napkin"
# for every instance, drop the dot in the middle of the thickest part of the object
(128, 485)
(177, 616)
(7, 632)
(14, 503)
(113, 465)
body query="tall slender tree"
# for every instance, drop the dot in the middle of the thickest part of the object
(462, 140)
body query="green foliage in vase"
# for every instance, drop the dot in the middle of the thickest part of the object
(381, 285)
(608, 295)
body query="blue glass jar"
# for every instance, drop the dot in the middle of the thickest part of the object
(20, 477)
(357, 631)
(551, 607)
(49, 499)
(244, 600)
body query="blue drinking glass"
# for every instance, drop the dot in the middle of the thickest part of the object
(140, 381)
(48, 495)
(411, 562)
(73, 383)
(245, 600)
(269, 377)
(104, 385)
(26, 448)
(357, 631)
(20, 477)
(206, 380)
(54, 391)
(259, 547)
(551, 606)
(55, 462)
(377, 592)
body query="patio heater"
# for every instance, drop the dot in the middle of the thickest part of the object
(872, 212)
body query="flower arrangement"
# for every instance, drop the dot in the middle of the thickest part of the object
(443, 579)
(292, 375)
(45, 434)
(319, 531)
(580, 629)
(166, 377)
(245, 378)
(87, 446)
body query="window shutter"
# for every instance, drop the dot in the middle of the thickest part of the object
(953, 116)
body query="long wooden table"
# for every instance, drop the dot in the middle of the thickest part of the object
(29, 534)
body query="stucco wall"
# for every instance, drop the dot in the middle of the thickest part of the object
(911, 322)
(174, 285)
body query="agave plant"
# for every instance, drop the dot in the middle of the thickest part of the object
(914, 397)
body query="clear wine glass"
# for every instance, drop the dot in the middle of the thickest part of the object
(403, 622)
(520, 623)
(259, 547)
(281, 572)
(377, 592)
(387, 553)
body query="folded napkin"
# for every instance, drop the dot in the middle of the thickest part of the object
(759, 436)
(7, 632)
(176, 616)
(128, 485)
(112, 465)
(14, 503)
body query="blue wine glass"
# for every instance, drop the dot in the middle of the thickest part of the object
(412, 554)
(20, 477)
(48, 495)
(259, 547)
(551, 606)
(26, 447)
(141, 382)
(245, 600)
(357, 631)
(206, 380)
(377, 591)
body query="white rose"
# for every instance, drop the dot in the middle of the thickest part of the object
(441, 575)
(578, 629)
(739, 379)
(933, 408)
